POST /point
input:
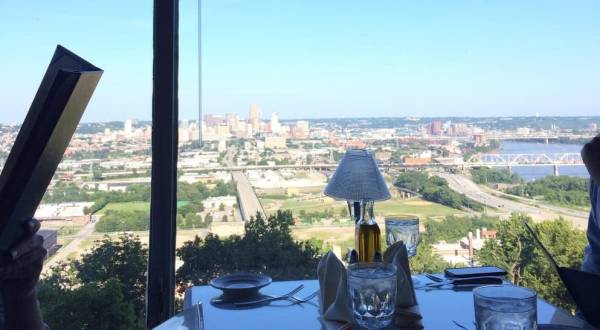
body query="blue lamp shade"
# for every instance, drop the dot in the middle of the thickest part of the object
(357, 178)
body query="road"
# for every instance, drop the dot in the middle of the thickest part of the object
(504, 207)
(63, 253)
(249, 202)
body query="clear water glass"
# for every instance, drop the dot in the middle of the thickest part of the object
(403, 228)
(505, 307)
(372, 288)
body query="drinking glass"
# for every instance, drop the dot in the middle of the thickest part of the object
(372, 288)
(403, 228)
(505, 307)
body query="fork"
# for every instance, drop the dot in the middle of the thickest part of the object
(269, 299)
(308, 298)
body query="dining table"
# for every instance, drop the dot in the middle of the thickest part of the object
(445, 307)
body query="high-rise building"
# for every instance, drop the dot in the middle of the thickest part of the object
(435, 128)
(303, 125)
(222, 130)
(128, 127)
(301, 130)
(214, 120)
(254, 118)
(275, 126)
(232, 121)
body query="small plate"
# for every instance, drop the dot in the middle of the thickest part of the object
(240, 286)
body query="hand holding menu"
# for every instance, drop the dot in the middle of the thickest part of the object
(46, 132)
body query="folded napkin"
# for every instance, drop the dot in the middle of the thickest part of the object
(396, 254)
(335, 305)
(408, 315)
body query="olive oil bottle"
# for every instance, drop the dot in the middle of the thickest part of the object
(367, 233)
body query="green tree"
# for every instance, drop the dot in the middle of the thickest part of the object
(514, 250)
(92, 305)
(113, 221)
(436, 189)
(195, 221)
(453, 228)
(182, 222)
(97, 173)
(124, 259)
(103, 290)
(224, 189)
(67, 192)
(565, 190)
(425, 261)
(267, 246)
(484, 175)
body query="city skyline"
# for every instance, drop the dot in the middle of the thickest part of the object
(359, 60)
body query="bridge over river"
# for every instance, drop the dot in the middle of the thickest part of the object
(480, 160)
(519, 160)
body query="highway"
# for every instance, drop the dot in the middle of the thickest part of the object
(504, 207)
(249, 203)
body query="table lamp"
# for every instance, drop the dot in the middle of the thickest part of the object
(357, 180)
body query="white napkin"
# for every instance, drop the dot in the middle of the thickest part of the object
(335, 305)
(408, 315)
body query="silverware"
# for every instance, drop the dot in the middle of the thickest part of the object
(269, 299)
(434, 277)
(460, 325)
(308, 298)
(467, 281)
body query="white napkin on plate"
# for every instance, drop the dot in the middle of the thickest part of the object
(335, 305)
(408, 315)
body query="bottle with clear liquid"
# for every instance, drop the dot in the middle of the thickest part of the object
(367, 233)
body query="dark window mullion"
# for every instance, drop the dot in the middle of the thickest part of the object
(163, 207)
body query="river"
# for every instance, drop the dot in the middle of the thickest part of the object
(534, 172)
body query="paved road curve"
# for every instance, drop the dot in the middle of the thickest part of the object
(73, 246)
(538, 211)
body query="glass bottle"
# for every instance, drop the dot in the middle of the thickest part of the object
(367, 233)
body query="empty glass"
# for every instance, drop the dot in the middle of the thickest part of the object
(505, 307)
(372, 288)
(403, 228)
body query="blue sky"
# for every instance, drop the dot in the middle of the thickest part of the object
(310, 59)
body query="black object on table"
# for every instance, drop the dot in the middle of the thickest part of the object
(238, 287)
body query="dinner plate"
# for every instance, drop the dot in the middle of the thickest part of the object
(240, 286)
